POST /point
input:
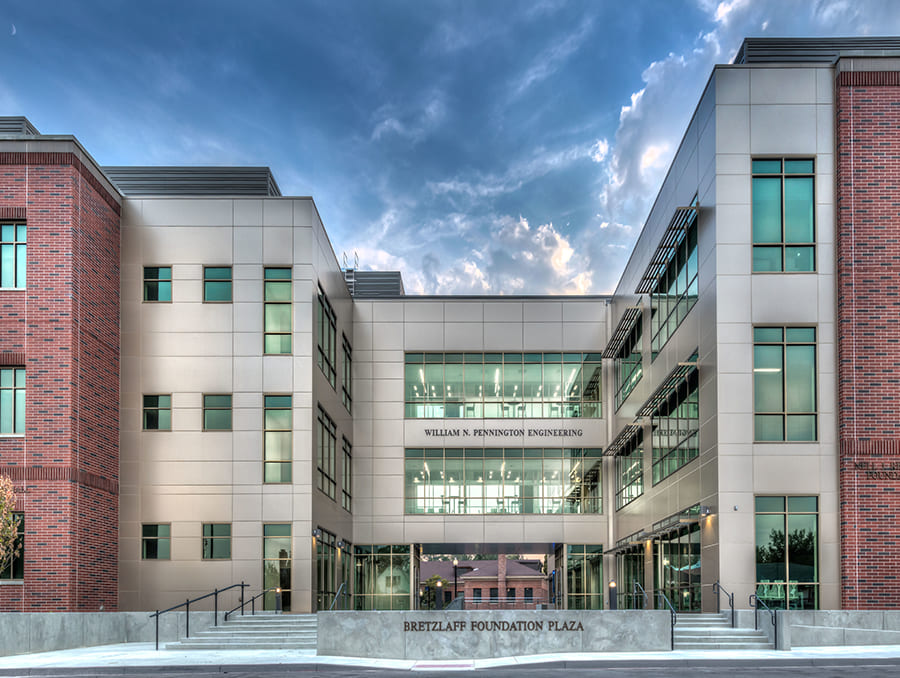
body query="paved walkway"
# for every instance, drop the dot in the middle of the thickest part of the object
(134, 655)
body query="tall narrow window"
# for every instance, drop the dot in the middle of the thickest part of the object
(784, 383)
(347, 378)
(628, 364)
(277, 311)
(347, 476)
(326, 323)
(157, 283)
(12, 400)
(156, 541)
(217, 413)
(277, 565)
(216, 541)
(15, 569)
(278, 439)
(676, 427)
(784, 232)
(157, 413)
(217, 284)
(326, 448)
(630, 471)
(787, 552)
(13, 254)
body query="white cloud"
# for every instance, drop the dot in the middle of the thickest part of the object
(654, 156)
(552, 58)
(413, 122)
(599, 150)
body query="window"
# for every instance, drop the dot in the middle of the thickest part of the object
(326, 322)
(347, 380)
(676, 427)
(529, 594)
(502, 480)
(628, 365)
(277, 564)
(347, 476)
(383, 577)
(787, 552)
(502, 385)
(584, 577)
(13, 255)
(278, 439)
(326, 448)
(326, 569)
(12, 400)
(277, 311)
(216, 412)
(15, 569)
(675, 292)
(676, 565)
(784, 232)
(216, 541)
(156, 542)
(495, 595)
(216, 284)
(157, 283)
(784, 383)
(157, 413)
(510, 594)
(630, 471)
(476, 595)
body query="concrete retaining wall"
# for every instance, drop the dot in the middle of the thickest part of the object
(25, 632)
(480, 634)
(818, 628)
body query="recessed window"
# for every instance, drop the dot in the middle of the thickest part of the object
(15, 568)
(277, 311)
(156, 541)
(787, 552)
(217, 413)
(347, 476)
(157, 413)
(216, 541)
(326, 323)
(676, 427)
(628, 364)
(13, 255)
(630, 470)
(157, 283)
(12, 400)
(347, 381)
(784, 231)
(277, 452)
(217, 284)
(327, 435)
(784, 383)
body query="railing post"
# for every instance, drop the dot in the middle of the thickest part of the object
(157, 629)
(215, 607)
(187, 618)
(242, 598)
(775, 624)
(253, 606)
(718, 602)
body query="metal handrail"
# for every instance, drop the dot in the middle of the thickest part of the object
(637, 587)
(755, 602)
(342, 591)
(252, 602)
(717, 587)
(187, 608)
(674, 616)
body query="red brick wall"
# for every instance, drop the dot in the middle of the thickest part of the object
(65, 326)
(868, 264)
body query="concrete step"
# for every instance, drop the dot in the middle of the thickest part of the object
(255, 632)
(723, 646)
(250, 645)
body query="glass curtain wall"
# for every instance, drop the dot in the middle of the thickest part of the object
(630, 471)
(503, 480)
(502, 385)
(584, 577)
(675, 293)
(676, 560)
(326, 569)
(630, 566)
(383, 577)
(676, 428)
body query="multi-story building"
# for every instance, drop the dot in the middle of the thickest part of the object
(193, 393)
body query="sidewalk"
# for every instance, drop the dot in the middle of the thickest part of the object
(113, 658)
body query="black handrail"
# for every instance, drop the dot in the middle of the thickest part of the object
(674, 616)
(252, 602)
(717, 587)
(755, 602)
(637, 587)
(187, 608)
(342, 591)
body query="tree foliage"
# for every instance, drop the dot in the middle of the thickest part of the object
(9, 524)
(430, 594)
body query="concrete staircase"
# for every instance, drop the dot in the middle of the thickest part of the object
(256, 632)
(714, 632)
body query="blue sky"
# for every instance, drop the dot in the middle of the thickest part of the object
(484, 146)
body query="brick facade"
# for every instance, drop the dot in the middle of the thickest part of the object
(868, 260)
(64, 329)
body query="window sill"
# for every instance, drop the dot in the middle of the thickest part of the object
(13, 289)
(12, 435)
(12, 582)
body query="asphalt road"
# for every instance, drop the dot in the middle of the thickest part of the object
(821, 669)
